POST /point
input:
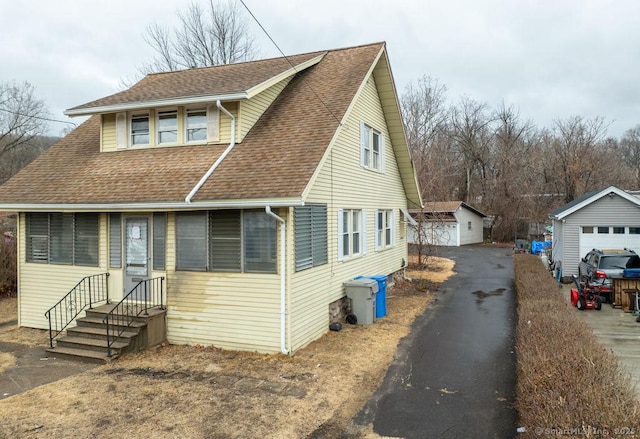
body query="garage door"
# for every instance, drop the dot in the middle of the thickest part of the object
(608, 237)
(445, 234)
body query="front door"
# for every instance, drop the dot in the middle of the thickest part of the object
(136, 251)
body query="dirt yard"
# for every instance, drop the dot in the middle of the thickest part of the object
(203, 392)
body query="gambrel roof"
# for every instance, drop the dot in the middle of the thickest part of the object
(275, 161)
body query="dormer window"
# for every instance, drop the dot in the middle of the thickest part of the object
(196, 125)
(167, 127)
(140, 129)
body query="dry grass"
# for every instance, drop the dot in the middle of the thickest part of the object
(196, 392)
(565, 379)
(7, 360)
(435, 269)
(8, 309)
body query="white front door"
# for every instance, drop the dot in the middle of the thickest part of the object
(136, 251)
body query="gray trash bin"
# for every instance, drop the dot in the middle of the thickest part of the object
(362, 293)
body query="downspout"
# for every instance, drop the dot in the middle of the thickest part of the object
(213, 167)
(283, 266)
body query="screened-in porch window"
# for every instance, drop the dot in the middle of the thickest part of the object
(226, 241)
(62, 238)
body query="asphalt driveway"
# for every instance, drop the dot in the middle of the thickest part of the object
(454, 375)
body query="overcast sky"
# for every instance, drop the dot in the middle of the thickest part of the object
(551, 58)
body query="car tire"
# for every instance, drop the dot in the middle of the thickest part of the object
(581, 304)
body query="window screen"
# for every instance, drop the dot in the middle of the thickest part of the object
(224, 232)
(191, 241)
(159, 240)
(115, 241)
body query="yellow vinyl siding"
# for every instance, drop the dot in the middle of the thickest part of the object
(251, 110)
(42, 285)
(108, 140)
(314, 289)
(228, 310)
(231, 311)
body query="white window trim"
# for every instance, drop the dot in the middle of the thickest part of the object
(366, 148)
(186, 125)
(158, 130)
(341, 233)
(381, 229)
(130, 128)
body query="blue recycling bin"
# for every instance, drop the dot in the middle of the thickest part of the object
(381, 295)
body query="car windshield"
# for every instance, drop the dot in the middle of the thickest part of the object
(614, 261)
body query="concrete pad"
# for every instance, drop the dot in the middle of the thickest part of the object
(33, 368)
(618, 331)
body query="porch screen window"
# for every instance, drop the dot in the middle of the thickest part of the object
(85, 240)
(140, 129)
(259, 235)
(167, 127)
(62, 238)
(310, 236)
(384, 229)
(159, 240)
(191, 241)
(226, 241)
(196, 125)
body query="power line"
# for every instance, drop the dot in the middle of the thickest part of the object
(290, 63)
(37, 117)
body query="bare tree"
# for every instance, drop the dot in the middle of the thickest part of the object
(506, 195)
(425, 117)
(577, 157)
(470, 131)
(206, 36)
(630, 149)
(21, 116)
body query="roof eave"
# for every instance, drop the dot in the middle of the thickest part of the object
(611, 189)
(150, 206)
(129, 106)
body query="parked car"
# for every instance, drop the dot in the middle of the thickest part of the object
(598, 266)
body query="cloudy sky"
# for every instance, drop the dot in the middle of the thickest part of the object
(552, 59)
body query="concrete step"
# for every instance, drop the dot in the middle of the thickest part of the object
(99, 333)
(97, 322)
(80, 355)
(90, 344)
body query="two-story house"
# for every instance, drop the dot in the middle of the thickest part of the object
(252, 190)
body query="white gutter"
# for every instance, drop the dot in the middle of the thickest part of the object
(220, 159)
(283, 266)
(148, 207)
(153, 103)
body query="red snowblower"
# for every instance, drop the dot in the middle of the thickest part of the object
(585, 296)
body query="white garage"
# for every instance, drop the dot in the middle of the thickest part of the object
(447, 223)
(604, 219)
(609, 237)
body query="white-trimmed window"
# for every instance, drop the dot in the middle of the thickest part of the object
(351, 233)
(384, 229)
(195, 125)
(139, 129)
(371, 148)
(167, 127)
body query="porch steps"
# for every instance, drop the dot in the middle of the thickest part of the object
(87, 341)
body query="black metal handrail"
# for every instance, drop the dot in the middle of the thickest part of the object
(147, 294)
(89, 291)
